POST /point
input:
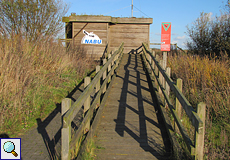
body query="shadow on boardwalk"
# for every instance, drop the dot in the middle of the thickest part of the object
(44, 142)
(142, 139)
(138, 124)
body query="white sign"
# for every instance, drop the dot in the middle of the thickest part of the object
(90, 38)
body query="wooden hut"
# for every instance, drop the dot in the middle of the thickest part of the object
(100, 34)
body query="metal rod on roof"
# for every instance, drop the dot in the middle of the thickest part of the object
(132, 8)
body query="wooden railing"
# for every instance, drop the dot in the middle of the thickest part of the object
(69, 110)
(165, 83)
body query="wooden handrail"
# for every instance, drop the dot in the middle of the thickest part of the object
(68, 117)
(199, 125)
(196, 121)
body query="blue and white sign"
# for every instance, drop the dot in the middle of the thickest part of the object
(90, 38)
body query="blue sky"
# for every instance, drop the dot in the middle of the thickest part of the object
(179, 12)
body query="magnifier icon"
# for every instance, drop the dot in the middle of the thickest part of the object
(9, 147)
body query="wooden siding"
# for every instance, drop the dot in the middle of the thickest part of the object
(133, 35)
(100, 29)
(112, 31)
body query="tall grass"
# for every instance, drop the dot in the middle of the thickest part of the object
(208, 80)
(34, 78)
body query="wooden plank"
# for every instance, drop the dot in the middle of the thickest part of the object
(96, 120)
(90, 26)
(166, 119)
(77, 137)
(67, 119)
(199, 137)
(178, 105)
(129, 30)
(183, 132)
(65, 132)
(127, 26)
(132, 20)
(140, 135)
(88, 18)
(196, 121)
(132, 37)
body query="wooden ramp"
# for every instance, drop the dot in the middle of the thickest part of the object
(130, 127)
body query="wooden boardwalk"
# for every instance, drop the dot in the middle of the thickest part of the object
(130, 126)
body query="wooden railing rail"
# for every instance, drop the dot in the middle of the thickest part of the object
(197, 118)
(69, 111)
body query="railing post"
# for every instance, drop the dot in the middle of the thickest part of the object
(98, 85)
(160, 79)
(109, 67)
(104, 75)
(153, 63)
(164, 67)
(65, 132)
(112, 63)
(156, 68)
(199, 137)
(178, 105)
(150, 61)
(167, 88)
(87, 103)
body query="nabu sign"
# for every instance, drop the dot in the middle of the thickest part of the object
(90, 38)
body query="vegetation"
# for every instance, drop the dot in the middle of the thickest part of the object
(210, 35)
(36, 71)
(34, 20)
(208, 80)
(33, 78)
(204, 69)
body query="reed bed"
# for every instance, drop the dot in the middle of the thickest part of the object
(207, 80)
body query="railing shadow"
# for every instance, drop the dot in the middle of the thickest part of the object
(51, 144)
(143, 139)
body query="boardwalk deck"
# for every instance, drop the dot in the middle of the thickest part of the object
(130, 127)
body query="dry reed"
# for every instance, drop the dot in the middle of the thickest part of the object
(208, 80)
(33, 78)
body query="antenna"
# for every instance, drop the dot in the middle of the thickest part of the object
(132, 8)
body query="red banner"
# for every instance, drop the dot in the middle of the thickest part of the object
(165, 36)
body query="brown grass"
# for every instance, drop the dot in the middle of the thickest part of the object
(208, 80)
(33, 78)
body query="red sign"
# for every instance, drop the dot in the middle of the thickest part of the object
(165, 36)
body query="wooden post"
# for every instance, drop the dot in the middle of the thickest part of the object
(150, 61)
(164, 67)
(98, 85)
(113, 58)
(65, 132)
(112, 63)
(153, 63)
(160, 78)
(199, 137)
(116, 59)
(156, 69)
(109, 67)
(87, 103)
(104, 75)
(178, 105)
(167, 88)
